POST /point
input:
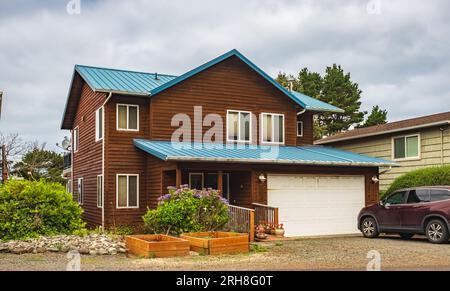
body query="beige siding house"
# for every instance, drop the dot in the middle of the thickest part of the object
(413, 143)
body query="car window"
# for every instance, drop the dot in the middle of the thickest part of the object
(396, 198)
(418, 196)
(439, 194)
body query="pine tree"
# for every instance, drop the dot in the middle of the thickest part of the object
(376, 117)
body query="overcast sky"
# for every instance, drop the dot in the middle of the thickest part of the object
(398, 51)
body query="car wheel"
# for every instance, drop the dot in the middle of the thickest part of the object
(406, 235)
(437, 232)
(369, 228)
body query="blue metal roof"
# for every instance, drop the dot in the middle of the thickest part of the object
(146, 84)
(121, 81)
(238, 153)
(313, 104)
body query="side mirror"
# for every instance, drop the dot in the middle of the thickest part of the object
(381, 203)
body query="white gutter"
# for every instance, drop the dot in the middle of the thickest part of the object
(445, 122)
(103, 160)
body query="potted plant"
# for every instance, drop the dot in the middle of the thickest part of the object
(261, 232)
(279, 230)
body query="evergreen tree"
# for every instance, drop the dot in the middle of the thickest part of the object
(376, 117)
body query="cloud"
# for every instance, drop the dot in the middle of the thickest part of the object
(400, 57)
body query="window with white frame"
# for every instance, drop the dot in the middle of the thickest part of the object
(75, 140)
(239, 126)
(272, 128)
(127, 191)
(99, 124)
(406, 147)
(80, 190)
(127, 117)
(100, 191)
(299, 128)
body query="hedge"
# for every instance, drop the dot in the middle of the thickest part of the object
(29, 209)
(432, 176)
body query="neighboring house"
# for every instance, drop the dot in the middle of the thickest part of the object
(412, 143)
(122, 123)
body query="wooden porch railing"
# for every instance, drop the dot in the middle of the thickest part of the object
(265, 214)
(242, 220)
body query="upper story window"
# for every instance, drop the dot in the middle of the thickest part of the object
(406, 147)
(99, 120)
(272, 128)
(239, 125)
(75, 140)
(299, 128)
(127, 117)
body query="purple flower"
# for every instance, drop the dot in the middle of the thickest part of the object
(197, 195)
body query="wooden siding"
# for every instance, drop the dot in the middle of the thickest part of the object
(230, 85)
(122, 157)
(87, 161)
(381, 147)
(308, 132)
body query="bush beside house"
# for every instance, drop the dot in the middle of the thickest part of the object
(29, 209)
(433, 176)
(186, 210)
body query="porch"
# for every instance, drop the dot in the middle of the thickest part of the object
(245, 189)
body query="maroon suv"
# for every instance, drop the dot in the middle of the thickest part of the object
(423, 210)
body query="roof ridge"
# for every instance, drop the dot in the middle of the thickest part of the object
(123, 70)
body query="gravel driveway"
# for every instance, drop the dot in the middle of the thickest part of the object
(343, 253)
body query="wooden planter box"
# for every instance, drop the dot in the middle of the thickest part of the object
(157, 246)
(215, 243)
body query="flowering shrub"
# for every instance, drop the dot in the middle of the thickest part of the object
(186, 210)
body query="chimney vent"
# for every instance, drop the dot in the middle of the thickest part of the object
(156, 76)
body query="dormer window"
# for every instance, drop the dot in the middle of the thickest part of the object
(239, 124)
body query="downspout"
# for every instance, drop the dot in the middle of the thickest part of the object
(103, 159)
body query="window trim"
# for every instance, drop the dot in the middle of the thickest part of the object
(239, 126)
(128, 191)
(197, 173)
(127, 119)
(76, 139)
(300, 122)
(100, 203)
(97, 119)
(419, 145)
(273, 128)
(80, 181)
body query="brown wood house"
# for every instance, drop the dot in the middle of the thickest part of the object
(124, 156)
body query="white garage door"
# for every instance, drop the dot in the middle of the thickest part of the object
(317, 205)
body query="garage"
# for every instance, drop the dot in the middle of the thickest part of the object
(312, 205)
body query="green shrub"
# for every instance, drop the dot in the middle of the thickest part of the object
(432, 176)
(185, 210)
(29, 209)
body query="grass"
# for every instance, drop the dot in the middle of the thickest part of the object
(254, 248)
